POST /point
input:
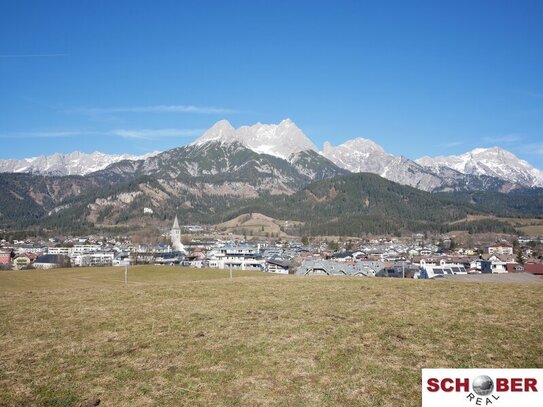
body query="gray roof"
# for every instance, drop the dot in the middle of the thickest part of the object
(333, 268)
(50, 259)
(279, 262)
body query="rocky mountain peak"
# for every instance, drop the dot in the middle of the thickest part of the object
(494, 162)
(220, 131)
(280, 140)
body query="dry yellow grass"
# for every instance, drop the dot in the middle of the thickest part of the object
(256, 224)
(535, 230)
(167, 340)
(526, 226)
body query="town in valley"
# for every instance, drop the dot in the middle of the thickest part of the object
(415, 256)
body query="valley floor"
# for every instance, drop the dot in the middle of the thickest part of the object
(195, 337)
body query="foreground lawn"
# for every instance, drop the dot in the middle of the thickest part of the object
(170, 338)
(94, 277)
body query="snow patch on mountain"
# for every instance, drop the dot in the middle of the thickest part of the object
(75, 163)
(281, 140)
(494, 162)
(358, 155)
(364, 155)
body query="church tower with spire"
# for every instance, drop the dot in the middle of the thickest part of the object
(175, 235)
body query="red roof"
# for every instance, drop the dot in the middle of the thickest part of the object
(535, 268)
(512, 267)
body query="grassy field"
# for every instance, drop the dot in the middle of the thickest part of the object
(110, 277)
(534, 230)
(176, 337)
(257, 224)
(527, 226)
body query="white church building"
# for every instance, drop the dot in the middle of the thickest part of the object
(175, 236)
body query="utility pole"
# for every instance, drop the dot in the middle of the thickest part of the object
(403, 268)
(126, 273)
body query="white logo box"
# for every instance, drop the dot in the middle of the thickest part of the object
(493, 387)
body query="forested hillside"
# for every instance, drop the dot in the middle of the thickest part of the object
(363, 203)
(354, 204)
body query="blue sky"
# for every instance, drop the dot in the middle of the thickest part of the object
(419, 78)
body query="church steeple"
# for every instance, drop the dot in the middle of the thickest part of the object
(175, 224)
(175, 235)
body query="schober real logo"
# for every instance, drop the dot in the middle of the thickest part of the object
(482, 387)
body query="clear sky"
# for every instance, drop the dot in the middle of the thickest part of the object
(419, 78)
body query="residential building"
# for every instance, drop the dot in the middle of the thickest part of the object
(277, 265)
(49, 261)
(31, 249)
(432, 270)
(96, 259)
(239, 257)
(21, 262)
(500, 249)
(66, 251)
(5, 258)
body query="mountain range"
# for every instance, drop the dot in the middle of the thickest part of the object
(76, 163)
(271, 169)
(493, 162)
(487, 169)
